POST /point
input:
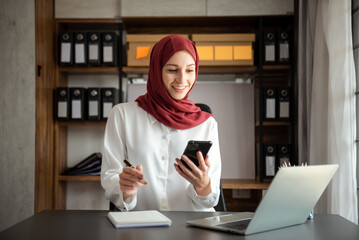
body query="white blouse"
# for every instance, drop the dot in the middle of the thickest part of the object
(135, 134)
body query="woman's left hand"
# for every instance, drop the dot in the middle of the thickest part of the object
(197, 176)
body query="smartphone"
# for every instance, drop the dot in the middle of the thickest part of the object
(193, 147)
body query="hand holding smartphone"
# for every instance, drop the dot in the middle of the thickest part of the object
(193, 147)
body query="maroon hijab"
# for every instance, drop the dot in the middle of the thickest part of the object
(178, 114)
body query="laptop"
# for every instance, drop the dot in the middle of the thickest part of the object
(290, 198)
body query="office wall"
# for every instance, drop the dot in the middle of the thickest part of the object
(17, 111)
(233, 108)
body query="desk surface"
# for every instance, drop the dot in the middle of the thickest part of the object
(95, 225)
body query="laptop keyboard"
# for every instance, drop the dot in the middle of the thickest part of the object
(239, 225)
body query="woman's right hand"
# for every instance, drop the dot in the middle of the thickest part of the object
(130, 180)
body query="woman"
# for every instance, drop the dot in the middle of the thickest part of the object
(153, 133)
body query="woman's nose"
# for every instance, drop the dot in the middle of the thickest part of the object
(181, 77)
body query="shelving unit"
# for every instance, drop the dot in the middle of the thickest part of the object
(264, 75)
(276, 132)
(61, 80)
(266, 131)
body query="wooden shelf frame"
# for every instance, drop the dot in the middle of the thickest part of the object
(244, 184)
(217, 69)
(274, 123)
(61, 75)
(54, 160)
(81, 123)
(65, 178)
(84, 70)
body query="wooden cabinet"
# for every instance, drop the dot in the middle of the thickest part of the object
(62, 79)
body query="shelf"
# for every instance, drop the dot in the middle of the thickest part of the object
(202, 70)
(270, 75)
(227, 69)
(81, 123)
(244, 184)
(79, 178)
(88, 20)
(274, 123)
(204, 24)
(93, 24)
(216, 69)
(82, 70)
(278, 67)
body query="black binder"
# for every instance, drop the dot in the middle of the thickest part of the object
(270, 160)
(94, 104)
(109, 97)
(62, 103)
(66, 49)
(283, 103)
(109, 48)
(89, 166)
(94, 48)
(284, 154)
(80, 40)
(283, 47)
(269, 103)
(77, 103)
(270, 50)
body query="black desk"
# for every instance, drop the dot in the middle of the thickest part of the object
(88, 225)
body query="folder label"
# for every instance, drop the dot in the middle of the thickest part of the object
(76, 109)
(93, 52)
(107, 107)
(270, 165)
(284, 109)
(270, 53)
(79, 53)
(65, 52)
(284, 51)
(62, 109)
(107, 54)
(93, 108)
(270, 108)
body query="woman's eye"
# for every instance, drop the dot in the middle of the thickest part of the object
(172, 70)
(190, 70)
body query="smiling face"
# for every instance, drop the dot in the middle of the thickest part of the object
(179, 74)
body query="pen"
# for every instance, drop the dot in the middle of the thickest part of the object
(128, 164)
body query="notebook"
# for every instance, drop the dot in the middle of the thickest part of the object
(291, 196)
(135, 219)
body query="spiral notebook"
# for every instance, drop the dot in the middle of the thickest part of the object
(136, 219)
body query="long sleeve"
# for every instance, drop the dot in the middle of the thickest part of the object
(211, 199)
(135, 134)
(114, 152)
